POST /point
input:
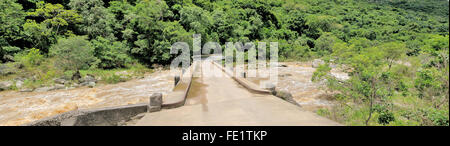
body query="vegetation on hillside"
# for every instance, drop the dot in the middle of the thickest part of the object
(396, 51)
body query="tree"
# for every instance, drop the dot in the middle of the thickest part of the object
(56, 21)
(151, 37)
(97, 20)
(11, 18)
(324, 44)
(112, 54)
(318, 24)
(73, 53)
(393, 51)
(197, 20)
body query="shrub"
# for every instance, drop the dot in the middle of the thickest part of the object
(73, 53)
(116, 79)
(438, 117)
(386, 117)
(31, 59)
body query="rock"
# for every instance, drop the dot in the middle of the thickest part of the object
(5, 85)
(284, 75)
(84, 84)
(91, 84)
(26, 90)
(341, 76)
(19, 84)
(285, 95)
(60, 81)
(121, 73)
(44, 89)
(269, 86)
(76, 85)
(76, 76)
(59, 86)
(317, 62)
(6, 70)
(332, 65)
(282, 65)
(20, 79)
(88, 78)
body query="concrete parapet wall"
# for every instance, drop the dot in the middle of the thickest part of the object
(109, 116)
(177, 98)
(244, 82)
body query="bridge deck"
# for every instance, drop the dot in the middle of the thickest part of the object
(221, 101)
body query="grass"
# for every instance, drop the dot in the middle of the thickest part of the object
(113, 76)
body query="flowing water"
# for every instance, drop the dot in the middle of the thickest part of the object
(296, 78)
(18, 108)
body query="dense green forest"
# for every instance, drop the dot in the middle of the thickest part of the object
(396, 51)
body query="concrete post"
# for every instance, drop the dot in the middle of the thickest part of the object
(177, 79)
(270, 87)
(155, 102)
(244, 75)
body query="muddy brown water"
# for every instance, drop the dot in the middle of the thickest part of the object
(296, 78)
(17, 108)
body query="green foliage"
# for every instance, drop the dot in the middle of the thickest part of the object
(325, 43)
(73, 53)
(385, 115)
(11, 18)
(31, 59)
(56, 21)
(97, 20)
(112, 54)
(393, 51)
(35, 65)
(115, 79)
(438, 117)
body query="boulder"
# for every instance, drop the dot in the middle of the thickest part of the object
(91, 84)
(317, 62)
(76, 85)
(19, 84)
(88, 78)
(76, 76)
(83, 84)
(59, 86)
(44, 89)
(269, 86)
(285, 75)
(60, 81)
(6, 70)
(332, 65)
(26, 90)
(6, 85)
(285, 95)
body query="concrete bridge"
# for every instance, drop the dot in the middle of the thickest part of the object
(199, 100)
(227, 101)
